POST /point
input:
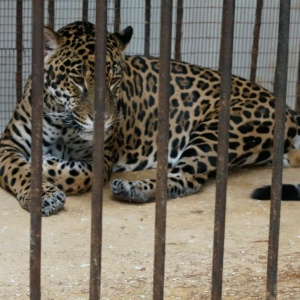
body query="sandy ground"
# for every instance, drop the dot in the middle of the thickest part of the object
(128, 245)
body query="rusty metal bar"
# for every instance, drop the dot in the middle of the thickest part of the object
(51, 14)
(178, 29)
(147, 27)
(36, 147)
(298, 87)
(19, 46)
(117, 21)
(85, 8)
(162, 149)
(225, 65)
(280, 88)
(98, 150)
(256, 35)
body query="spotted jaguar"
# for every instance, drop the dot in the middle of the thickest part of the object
(131, 120)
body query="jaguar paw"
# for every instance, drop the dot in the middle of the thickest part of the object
(53, 200)
(133, 191)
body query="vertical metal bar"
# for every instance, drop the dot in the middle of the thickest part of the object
(280, 87)
(19, 46)
(162, 150)
(98, 150)
(85, 8)
(117, 21)
(36, 147)
(256, 35)
(147, 27)
(298, 87)
(178, 29)
(225, 65)
(51, 8)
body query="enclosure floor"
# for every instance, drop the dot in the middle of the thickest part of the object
(128, 237)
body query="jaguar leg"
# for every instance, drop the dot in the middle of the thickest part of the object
(187, 177)
(73, 177)
(15, 176)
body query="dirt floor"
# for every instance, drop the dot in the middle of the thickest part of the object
(128, 245)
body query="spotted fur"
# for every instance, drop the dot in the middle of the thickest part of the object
(131, 120)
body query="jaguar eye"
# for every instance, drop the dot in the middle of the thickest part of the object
(78, 80)
(114, 80)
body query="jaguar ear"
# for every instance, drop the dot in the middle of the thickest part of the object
(52, 41)
(124, 36)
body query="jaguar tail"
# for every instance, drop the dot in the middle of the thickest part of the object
(290, 192)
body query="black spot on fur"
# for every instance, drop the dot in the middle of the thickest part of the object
(52, 172)
(70, 181)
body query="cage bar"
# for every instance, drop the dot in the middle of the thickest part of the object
(36, 147)
(256, 36)
(85, 9)
(51, 8)
(19, 46)
(298, 87)
(225, 65)
(162, 148)
(178, 37)
(147, 27)
(98, 150)
(117, 20)
(280, 88)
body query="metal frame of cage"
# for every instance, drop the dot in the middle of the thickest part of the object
(160, 214)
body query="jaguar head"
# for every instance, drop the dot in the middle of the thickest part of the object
(69, 61)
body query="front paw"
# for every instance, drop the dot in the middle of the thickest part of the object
(53, 200)
(134, 191)
(121, 189)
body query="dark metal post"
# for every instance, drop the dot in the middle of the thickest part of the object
(98, 150)
(117, 21)
(36, 146)
(147, 27)
(298, 87)
(225, 65)
(178, 29)
(256, 35)
(162, 151)
(85, 8)
(51, 14)
(280, 87)
(19, 46)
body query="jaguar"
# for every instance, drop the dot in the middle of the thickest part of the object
(131, 121)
